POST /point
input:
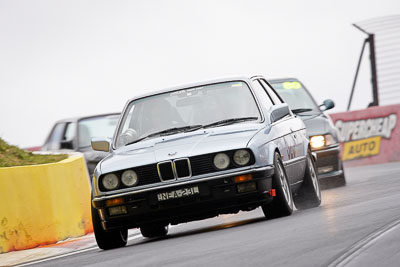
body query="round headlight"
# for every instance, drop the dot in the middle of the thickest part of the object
(110, 181)
(241, 157)
(129, 178)
(221, 161)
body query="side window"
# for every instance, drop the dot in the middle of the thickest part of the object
(55, 137)
(262, 96)
(271, 92)
(70, 131)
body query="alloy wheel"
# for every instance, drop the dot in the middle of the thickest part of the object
(285, 186)
(314, 177)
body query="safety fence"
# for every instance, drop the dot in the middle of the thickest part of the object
(369, 136)
(43, 204)
(386, 31)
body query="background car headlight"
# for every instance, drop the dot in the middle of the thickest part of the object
(110, 181)
(129, 178)
(221, 161)
(241, 157)
(329, 140)
(319, 141)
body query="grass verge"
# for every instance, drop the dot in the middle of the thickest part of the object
(13, 156)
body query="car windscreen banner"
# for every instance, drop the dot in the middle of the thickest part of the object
(369, 136)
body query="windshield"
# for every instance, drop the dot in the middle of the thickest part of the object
(296, 96)
(103, 126)
(195, 107)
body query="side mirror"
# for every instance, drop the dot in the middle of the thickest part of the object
(279, 111)
(67, 144)
(328, 104)
(101, 144)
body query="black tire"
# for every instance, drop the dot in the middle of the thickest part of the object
(154, 230)
(309, 194)
(107, 239)
(282, 204)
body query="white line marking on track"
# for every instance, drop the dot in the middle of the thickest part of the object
(132, 236)
(135, 234)
(362, 244)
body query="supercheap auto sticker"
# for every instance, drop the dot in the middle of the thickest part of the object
(362, 138)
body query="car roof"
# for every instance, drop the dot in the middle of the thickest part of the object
(75, 119)
(280, 80)
(196, 84)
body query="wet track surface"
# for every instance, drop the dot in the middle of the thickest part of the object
(356, 225)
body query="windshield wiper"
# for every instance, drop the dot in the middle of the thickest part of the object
(230, 121)
(168, 131)
(301, 110)
(176, 129)
(192, 128)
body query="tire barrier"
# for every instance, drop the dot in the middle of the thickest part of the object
(43, 204)
(369, 136)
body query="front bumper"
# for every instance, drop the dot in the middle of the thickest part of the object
(328, 162)
(217, 195)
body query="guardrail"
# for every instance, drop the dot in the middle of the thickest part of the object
(43, 204)
(369, 136)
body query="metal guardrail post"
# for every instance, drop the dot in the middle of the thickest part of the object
(356, 75)
(374, 77)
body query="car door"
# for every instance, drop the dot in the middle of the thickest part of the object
(295, 163)
(281, 129)
(298, 127)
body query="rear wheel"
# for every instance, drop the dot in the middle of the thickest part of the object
(154, 230)
(309, 194)
(282, 204)
(107, 239)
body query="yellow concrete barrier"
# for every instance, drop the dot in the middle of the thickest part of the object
(42, 204)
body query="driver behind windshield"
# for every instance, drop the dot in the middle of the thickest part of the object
(187, 107)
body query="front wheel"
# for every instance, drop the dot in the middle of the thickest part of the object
(282, 204)
(107, 239)
(309, 194)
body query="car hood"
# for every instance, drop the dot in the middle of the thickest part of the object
(317, 125)
(180, 145)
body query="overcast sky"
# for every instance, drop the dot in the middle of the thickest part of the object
(61, 59)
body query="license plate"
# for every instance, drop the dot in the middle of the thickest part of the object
(185, 192)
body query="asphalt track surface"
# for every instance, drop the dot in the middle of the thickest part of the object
(356, 225)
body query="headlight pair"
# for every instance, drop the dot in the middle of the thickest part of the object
(241, 157)
(319, 141)
(128, 178)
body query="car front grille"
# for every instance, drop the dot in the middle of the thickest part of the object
(180, 168)
(165, 171)
(202, 164)
(174, 169)
(147, 174)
